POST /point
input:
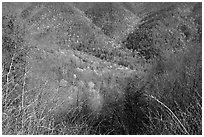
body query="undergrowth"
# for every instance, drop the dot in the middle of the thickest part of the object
(170, 102)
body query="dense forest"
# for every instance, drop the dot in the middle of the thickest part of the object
(102, 68)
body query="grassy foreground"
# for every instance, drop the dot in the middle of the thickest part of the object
(169, 103)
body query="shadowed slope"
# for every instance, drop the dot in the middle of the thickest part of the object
(90, 68)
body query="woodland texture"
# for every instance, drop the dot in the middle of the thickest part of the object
(101, 68)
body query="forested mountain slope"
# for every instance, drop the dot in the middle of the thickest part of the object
(101, 68)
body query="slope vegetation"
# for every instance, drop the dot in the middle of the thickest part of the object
(101, 68)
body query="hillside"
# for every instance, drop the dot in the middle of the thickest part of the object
(101, 68)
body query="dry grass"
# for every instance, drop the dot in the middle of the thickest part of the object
(170, 102)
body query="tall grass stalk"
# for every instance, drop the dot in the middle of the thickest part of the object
(170, 112)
